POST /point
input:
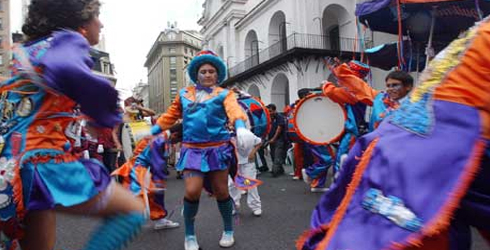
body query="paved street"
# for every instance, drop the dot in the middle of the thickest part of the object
(287, 206)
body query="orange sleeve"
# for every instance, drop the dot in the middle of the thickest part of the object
(233, 109)
(363, 92)
(338, 94)
(174, 112)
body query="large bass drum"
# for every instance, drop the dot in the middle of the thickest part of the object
(259, 121)
(131, 134)
(318, 120)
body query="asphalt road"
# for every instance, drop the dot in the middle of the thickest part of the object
(287, 206)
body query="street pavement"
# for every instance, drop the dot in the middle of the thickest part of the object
(287, 207)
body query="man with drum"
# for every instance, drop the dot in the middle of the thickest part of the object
(301, 156)
(134, 109)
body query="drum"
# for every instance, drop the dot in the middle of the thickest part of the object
(318, 120)
(131, 134)
(259, 121)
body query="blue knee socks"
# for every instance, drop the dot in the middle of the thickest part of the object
(190, 211)
(116, 232)
(226, 210)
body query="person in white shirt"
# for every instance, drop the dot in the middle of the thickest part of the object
(246, 168)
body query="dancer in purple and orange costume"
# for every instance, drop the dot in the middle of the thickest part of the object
(145, 177)
(51, 74)
(421, 179)
(398, 85)
(355, 125)
(207, 154)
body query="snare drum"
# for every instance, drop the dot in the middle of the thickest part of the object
(318, 120)
(131, 134)
(259, 121)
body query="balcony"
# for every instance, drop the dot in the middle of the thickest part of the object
(295, 45)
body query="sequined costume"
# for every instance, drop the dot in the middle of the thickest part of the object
(41, 172)
(421, 179)
(144, 173)
(382, 104)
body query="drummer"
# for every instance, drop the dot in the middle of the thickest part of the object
(134, 109)
(301, 158)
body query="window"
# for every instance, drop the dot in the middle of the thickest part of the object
(173, 83)
(173, 62)
(1, 24)
(171, 50)
(185, 50)
(1, 59)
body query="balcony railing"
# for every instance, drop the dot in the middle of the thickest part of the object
(298, 40)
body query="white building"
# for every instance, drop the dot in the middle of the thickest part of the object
(275, 47)
(142, 90)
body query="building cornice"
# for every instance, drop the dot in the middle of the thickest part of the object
(159, 44)
(217, 27)
(257, 10)
(207, 22)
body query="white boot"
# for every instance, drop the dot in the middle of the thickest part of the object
(227, 239)
(190, 243)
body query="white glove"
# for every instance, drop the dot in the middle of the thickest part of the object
(245, 139)
(100, 149)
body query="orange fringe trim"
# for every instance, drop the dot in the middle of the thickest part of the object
(300, 242)
(443, 220)
(351, 189)
(47, 158)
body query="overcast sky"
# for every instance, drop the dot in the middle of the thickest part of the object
(131, 28)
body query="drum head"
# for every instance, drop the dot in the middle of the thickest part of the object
(127, 141)
(131, 134)
(318, 120)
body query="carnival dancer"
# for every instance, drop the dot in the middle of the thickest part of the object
(421, 179)
(355, 125)
(206, 154)
(145, 177)
(315, 174)
(247, 169)
(398, 85)
(51, 75)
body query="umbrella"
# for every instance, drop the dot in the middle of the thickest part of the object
(447, 17)
(422, 20)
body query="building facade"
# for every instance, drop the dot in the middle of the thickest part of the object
(275, 47)
(102, 65)
(166, 63)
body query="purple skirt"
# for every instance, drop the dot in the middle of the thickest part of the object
(215, 158)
